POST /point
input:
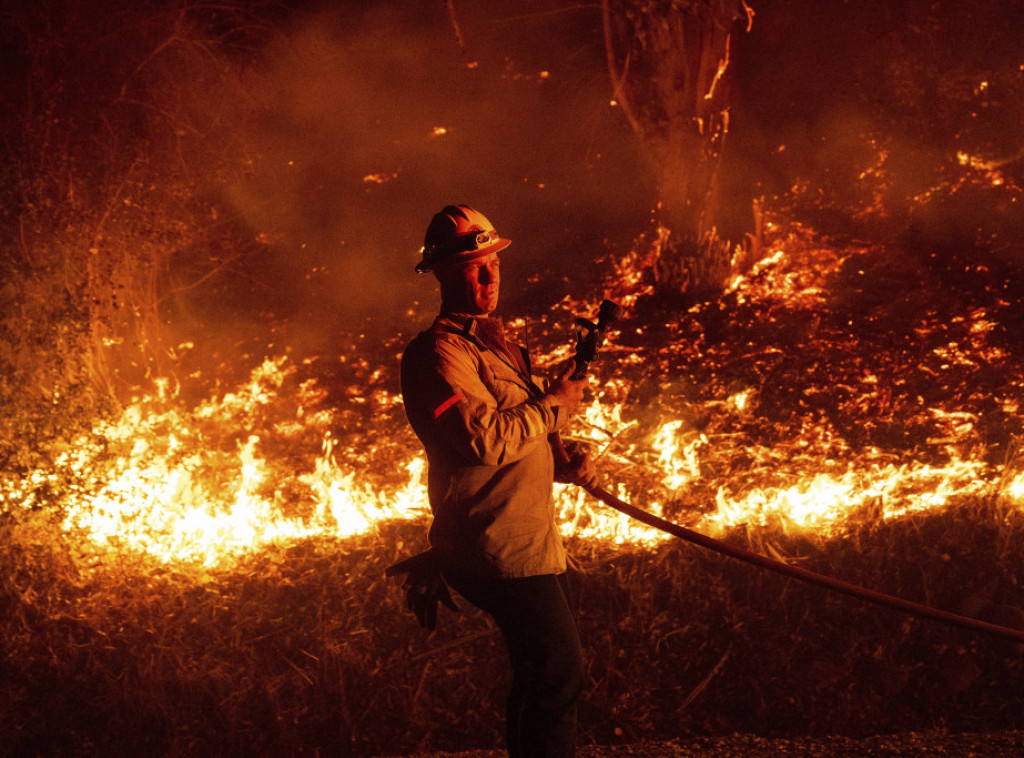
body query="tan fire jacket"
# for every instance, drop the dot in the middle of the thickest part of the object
(484, 420)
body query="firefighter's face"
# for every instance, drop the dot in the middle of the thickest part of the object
(470, 287)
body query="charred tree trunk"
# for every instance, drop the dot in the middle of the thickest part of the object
(668, 61)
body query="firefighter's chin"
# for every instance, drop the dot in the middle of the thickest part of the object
(487, 302)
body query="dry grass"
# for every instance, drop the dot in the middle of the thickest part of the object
(305, 648)
(302, 648)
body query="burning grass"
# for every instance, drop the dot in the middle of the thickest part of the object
(304, 646)
(208, 578)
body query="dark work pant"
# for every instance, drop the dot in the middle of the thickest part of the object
(536, 618)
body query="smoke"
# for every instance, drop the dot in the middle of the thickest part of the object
(859, 104)
(327, 138)
(352, 127)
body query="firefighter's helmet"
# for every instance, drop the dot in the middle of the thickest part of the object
(458, 234)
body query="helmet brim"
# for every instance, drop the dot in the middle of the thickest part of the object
(429, 264)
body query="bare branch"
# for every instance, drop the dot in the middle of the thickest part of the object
(618, 79)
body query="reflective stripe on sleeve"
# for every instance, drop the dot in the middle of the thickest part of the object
(447, 404)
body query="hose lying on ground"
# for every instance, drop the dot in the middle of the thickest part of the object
(804, 575)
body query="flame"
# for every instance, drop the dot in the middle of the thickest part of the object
(168, 495)
(272, 461)
(824, 501)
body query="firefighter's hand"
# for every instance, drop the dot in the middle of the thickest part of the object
(424, 587)
(579, 469)
(422, 595)
(566, 392)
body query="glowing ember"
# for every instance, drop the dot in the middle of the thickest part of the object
(380, 178)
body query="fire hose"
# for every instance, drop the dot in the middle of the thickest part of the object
(587, 342)
(425, 588)
(804, 575)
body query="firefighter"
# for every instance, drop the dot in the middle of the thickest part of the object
(485, 420)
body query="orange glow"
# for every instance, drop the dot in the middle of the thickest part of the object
(170, 497)
(271, 461)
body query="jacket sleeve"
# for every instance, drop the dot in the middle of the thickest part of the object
(474, 426)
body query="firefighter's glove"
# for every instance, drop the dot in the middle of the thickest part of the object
(580, 469)
(424, 587)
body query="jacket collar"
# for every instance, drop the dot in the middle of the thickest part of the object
(487, 333)
(471, 327)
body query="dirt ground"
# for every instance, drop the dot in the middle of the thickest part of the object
(1009, 744)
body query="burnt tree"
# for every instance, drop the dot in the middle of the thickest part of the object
(668, 62)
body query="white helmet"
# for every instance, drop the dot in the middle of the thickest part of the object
(458, 233)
